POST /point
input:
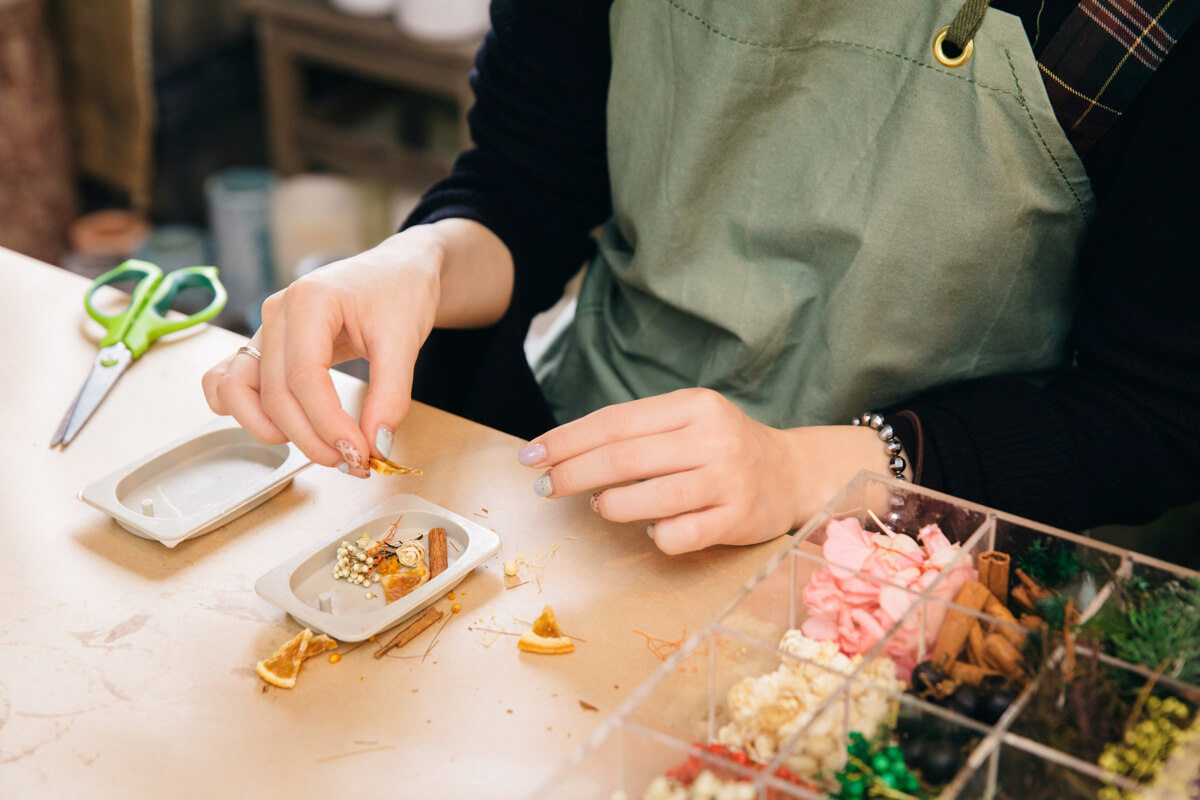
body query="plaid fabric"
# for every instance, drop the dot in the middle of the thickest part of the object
(1103, 54)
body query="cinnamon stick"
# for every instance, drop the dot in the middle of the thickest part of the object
(993, 573)
(438, 557)
(1036, 591)
(975, 649)
(411, 631)
(957, 625)
(1032, 622)
(1012, 630)
(1002, 655)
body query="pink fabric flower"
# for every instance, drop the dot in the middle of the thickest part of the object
(857, 611)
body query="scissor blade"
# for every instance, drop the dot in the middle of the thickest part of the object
(111, 363)
(66, 420)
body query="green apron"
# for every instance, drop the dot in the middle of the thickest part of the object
(814, 217)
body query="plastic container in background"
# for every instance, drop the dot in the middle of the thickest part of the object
(239, 203)
(443, 20)
(175, 246)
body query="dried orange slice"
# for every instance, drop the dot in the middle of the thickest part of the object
(319, 644)
(385, 467)
(545, 637)
(283, 666)
(398, 584)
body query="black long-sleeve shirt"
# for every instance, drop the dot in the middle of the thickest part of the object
(1112, 437)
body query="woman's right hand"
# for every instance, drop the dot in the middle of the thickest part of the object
(379, 305)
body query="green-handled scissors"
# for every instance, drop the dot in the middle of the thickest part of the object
(131, 331)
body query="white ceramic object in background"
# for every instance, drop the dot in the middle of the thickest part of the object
(364, 8)
(315, 214)
(196, 483)
(304, 585)
(443, 20)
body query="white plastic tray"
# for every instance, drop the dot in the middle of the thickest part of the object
(196, 483)
(304, 584)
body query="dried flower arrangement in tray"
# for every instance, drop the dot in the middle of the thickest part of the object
(398, 567)
(388, 566)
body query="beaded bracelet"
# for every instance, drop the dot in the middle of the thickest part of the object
(896, 462)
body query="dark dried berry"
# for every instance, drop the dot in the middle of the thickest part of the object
(939, 762)
(910, 724)
(925, 678)
(913, 749)
(993, 704)
(965, 700)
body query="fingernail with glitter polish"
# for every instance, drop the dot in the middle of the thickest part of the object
(356, 465)
(531, 454)
(384, 441)
(596, 502)
(650, 530)
(542, 486)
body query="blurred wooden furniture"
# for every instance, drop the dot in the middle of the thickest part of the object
(37, 193)
(295, 32)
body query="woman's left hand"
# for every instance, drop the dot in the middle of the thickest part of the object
(691, 461)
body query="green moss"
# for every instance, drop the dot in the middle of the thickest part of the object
(1048, 565)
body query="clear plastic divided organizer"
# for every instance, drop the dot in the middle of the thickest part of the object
(196, 483)
(304, 585)
(839, 670)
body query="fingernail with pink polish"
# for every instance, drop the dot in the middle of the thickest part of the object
(531, 454)
(596, 502)
(356, 465)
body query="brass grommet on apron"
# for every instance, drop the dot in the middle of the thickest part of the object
(939, 39)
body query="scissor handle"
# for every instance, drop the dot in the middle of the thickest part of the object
(151, 323)
(117, 325)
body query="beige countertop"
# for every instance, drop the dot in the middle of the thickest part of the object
(127, 669)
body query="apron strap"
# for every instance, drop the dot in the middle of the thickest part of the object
(966, 23)
(1102, 56)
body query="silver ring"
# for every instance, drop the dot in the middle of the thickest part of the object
(250, 350)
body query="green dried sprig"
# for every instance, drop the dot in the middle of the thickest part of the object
(1153, 627)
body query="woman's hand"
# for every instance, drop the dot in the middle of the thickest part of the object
(702, 470)
(379, 305)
